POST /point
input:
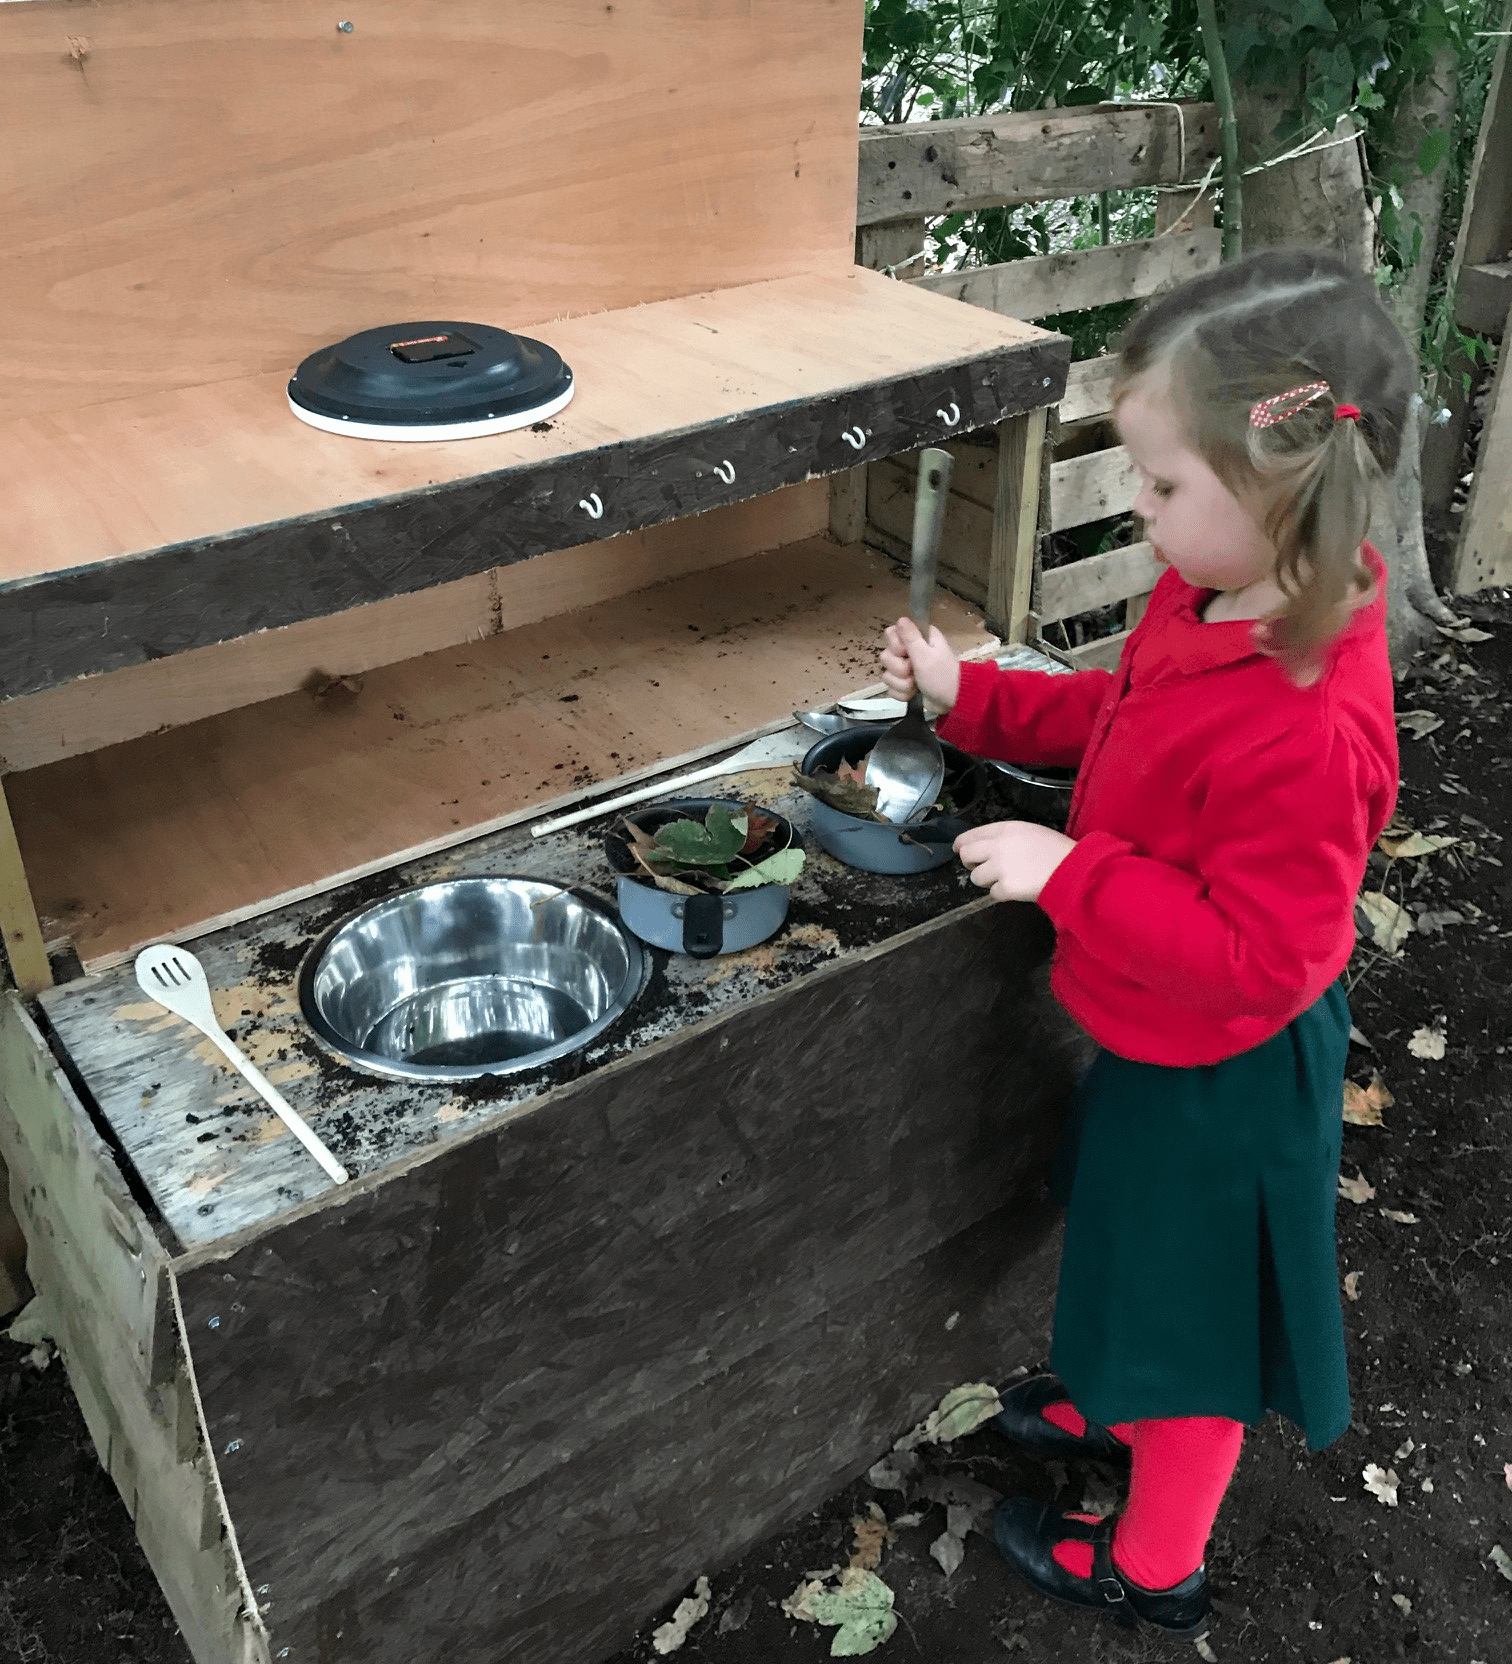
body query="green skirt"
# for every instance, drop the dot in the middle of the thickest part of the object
(1200, 1274)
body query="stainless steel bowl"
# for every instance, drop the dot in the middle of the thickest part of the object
(470, 977)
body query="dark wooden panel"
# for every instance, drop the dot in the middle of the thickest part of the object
(74, 623)
(551, 1373)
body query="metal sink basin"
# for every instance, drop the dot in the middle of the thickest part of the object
(470, 977)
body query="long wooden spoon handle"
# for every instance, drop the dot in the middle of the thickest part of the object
(282, 1108)
(929, 516)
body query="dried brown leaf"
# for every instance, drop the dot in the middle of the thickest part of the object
(845, 793)
(1363, 1104)
(1352, 1284)
(872, 1536)
(1359, 1189)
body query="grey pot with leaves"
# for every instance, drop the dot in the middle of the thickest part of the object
(702, 896)
(878, 846)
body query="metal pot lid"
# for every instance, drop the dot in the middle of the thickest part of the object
(433, 379)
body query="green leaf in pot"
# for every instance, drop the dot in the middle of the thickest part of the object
(781, 868)
(718, 840)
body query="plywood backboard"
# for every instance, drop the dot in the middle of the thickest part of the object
(200, 190)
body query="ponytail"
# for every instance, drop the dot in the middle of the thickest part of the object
(1318, 521)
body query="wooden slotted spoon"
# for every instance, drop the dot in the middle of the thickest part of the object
(175, 978)
(907, 765)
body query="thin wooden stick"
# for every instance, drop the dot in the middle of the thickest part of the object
(18, 912)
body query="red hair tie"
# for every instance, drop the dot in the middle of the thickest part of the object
(1346, 413)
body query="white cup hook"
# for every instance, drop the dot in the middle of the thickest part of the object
(951, 417)
(592, 504)
(855, 436)
(719, 468)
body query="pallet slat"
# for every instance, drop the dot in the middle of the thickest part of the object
(1092, 487)
(1079, 278)
(1099, 581)
(939, 167)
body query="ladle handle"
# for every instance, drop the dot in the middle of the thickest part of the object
(929, 515)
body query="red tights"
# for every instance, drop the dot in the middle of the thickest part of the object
(1181, 1469)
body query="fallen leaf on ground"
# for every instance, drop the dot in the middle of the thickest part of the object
(1400, 1218)
(1427, 1042)
(1363, 1104)
(1352, 1285)
(797, 1604)
(1204, 1651)
(872, 1536)
(1357, 1189)
(1098, 1497)
(668, 1637)
(896, 1472)
(1403, 1451)
(1414, 844)
(1356, 1038)
(956, 1491)
(1381, 1483)
(1507, 1470)
(1419, 723)
(734, 1615)
(1402, 1603)
(1434, 921)
(1502, 1561)
(906, 1522)
(1463, 632)
(1390, 925)
(962, 1410)
(949, 1550)
(861, 1606)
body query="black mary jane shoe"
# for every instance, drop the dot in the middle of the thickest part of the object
(1020, 1420)
(1027, 1533)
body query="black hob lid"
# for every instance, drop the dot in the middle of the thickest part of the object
(430, 373)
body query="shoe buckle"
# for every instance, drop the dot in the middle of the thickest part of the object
(1112, 1590)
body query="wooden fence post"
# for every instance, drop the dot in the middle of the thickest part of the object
(1015, 518)
(18, 912)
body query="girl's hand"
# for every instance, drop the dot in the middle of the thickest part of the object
(909, 660)
(1013, 858)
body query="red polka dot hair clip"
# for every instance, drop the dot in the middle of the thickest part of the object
(1270, 411)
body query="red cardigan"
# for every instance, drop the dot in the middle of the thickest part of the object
(1222, 814)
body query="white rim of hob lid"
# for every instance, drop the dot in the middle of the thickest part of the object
(435, 432)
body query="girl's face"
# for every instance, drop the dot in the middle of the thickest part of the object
(1193, 519)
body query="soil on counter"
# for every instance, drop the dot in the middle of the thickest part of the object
(1307, 1564)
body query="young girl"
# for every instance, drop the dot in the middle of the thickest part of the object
(1234, 774)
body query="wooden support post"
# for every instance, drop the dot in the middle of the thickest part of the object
(1015, 519)
(847, 505)
(1181, 210)
(897, 245)
(1485, 549)
(18, 912)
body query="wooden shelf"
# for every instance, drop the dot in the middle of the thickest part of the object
(221, 819)
(144, 528)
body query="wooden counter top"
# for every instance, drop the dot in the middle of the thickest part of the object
(143, 528)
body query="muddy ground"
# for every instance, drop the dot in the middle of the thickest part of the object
(1307, 1563)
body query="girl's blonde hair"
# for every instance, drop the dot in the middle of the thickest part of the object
(1254, 330)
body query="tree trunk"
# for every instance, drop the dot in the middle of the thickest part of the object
(1318, 200)
(1428, 108)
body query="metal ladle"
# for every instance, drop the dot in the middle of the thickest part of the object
(906, 765)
